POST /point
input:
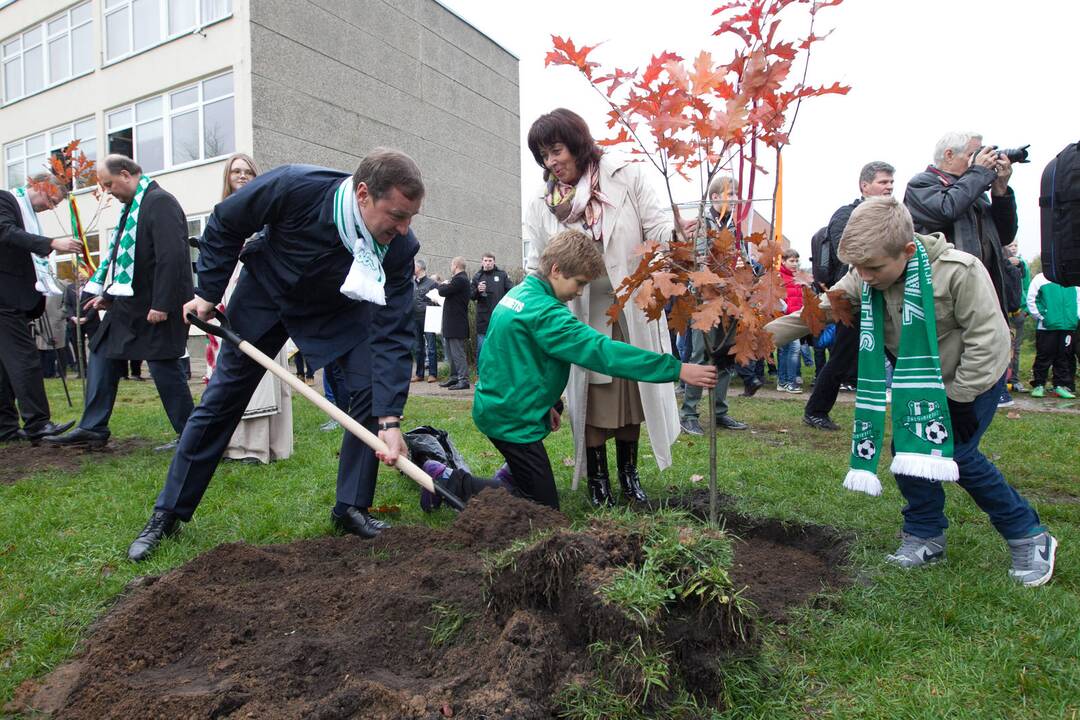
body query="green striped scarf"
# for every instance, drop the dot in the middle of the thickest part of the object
(116, 276)
(922, 430)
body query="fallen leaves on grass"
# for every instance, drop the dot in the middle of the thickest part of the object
(696, 478)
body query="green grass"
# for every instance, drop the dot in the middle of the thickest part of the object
(953, 641)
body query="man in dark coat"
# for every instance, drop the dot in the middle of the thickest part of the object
(875, 180)
(82, 324)
(489, 284)
(146, 324)
(21, 379)
(950, 197)
(291, 286)
(424, 350)
(455, 324)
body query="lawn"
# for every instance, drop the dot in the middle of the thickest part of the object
(956, 640)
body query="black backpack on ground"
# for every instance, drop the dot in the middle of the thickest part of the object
(1059, 207)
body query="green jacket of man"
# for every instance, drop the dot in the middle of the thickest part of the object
(973, 339)
(532, 340)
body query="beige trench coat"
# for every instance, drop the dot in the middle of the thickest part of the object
(637, 215)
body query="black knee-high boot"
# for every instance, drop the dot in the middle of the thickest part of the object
(626, 457)
(599, 481)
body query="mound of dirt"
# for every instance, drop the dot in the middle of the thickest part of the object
(346, 628)
(20, 459)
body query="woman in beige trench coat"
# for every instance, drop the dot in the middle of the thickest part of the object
(586, 190)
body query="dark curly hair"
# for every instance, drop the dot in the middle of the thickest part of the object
(566, 127)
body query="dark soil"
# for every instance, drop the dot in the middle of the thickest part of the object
(20, 459)
(339, 627)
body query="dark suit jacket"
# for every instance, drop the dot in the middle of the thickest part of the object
(162, 282)
(300, 264)
(17, 275)
(455, 318)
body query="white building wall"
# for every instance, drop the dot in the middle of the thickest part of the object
(221, 46)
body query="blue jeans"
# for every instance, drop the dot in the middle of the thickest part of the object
(479, 346)
(1010, 513)
(787, 364)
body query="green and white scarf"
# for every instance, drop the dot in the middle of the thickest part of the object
(116, 272)
(46, 281)
(922, 429)
(365, 280)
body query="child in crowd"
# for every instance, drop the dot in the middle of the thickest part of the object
(934, 309)
(1057, 312)
(532, 340)
(787, 355)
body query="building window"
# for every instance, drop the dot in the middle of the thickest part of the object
(134, 25)
(186, 125)
(48, 54)
(30, 155)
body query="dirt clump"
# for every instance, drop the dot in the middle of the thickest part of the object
(417, 624)
(20, 459)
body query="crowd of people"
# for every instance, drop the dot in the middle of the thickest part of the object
(325, 261)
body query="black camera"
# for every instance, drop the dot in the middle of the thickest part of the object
(1015, 155)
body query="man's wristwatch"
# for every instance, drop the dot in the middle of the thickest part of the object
(389, 425)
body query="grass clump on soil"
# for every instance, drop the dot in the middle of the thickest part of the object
(650, 596)
(447, 624)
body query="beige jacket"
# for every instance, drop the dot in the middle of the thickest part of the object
(973, 338)
(636, 214)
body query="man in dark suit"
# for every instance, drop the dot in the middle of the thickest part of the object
(455, 324)
(144, 319)
(21, 379)
(292, 286)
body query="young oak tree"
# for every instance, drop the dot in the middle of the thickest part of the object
(706, 117)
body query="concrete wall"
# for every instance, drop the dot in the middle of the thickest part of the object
(332, 79)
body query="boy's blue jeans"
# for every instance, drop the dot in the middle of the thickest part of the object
(1010, 513)
(787, 363)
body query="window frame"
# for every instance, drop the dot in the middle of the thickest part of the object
(46, 136)
(166, 116)
(164, 36)
(44, 42)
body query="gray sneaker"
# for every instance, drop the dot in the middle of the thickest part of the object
(916, 551)
(1033, 559)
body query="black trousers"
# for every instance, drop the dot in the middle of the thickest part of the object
(103, 379)
(21, 379)
(1053, 349)
(235, 378)
(530, 466)
(843, 364)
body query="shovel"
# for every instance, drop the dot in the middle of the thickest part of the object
(403, 464)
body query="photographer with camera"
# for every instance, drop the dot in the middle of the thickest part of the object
(950, 197)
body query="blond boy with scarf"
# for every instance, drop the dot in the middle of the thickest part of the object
(933, 309)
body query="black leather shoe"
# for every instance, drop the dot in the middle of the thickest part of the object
(821, 422)
(752, 387)
(691, 426)
(171, 445)
(357, 522)
(459, 386)
(78, 438)
(448, 383)
(161, 524)
(599, 482)
(626, 457)
(50, 428)
(730, 423)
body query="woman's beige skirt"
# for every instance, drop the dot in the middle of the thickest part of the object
(615, 404)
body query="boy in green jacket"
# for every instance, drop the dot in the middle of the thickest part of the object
(934, 310)
(531, 341)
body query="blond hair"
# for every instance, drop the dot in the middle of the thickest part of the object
(227, 190)
(879, 226)
(575, 253)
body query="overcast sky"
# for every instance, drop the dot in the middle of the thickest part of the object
(916, 68)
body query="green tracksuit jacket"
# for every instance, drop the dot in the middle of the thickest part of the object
(525, 362)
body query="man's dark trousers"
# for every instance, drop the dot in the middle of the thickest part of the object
(20, 376)
(843, 362)
(103, 377)
(235, 378)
